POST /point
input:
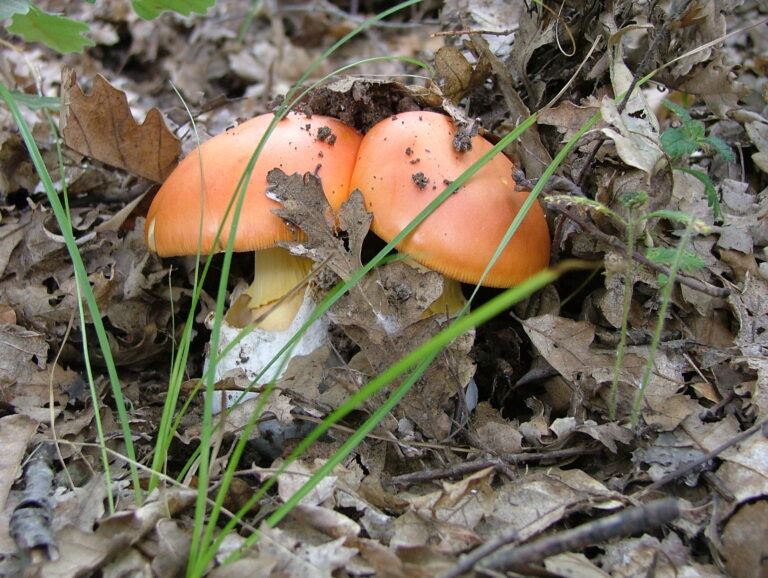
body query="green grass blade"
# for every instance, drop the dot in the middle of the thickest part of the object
(81, 277)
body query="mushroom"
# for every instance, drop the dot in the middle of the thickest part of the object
(407, 160)
(190, 207)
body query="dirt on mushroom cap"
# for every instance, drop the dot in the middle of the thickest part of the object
(405, 161)
(204, 183)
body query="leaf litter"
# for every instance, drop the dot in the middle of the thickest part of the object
(428, 489)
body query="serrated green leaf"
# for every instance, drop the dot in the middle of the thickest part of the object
(695, 130)
(676, 109)
(689, 262)
(62, 34)
(699, 226)
(634, 199)
(720, 147)
(676, 143)
(149, 9)
(10, 7)
(677, 216)
(709, 189)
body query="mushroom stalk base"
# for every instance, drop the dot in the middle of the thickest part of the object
(259, 347)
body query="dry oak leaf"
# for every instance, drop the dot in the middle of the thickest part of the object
(101, 126)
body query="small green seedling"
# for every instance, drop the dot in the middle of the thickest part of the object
(688, 138)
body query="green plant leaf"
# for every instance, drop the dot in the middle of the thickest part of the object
(634, 199)
(149, 9)
(677, 216)
(694, 130)
(689, 262)
(709, 189)
(676, 142)
(700, 227)
(720, 147)
(691, 136)
(9, 8)
(584, 201)
(676, 109)
(62, 34)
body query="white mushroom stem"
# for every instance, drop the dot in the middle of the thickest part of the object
(279, 311)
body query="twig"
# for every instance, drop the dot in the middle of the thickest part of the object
(614, 242)
(463, 468)
(31, 522)
(460, 469)
(625, 523)
(524, 458)
(703, 460)
(469, 31)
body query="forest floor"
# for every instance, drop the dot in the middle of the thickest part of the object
(569, 465)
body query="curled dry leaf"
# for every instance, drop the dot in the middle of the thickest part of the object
(555, 492)
(100, 126)
(117, 537)
(568, 346)
(455, 71)
(758, 134)
(303, 557)
(23, 353)
(669, 557)
(668, 453)
(608, 434)
(494, 433)
(744, 547)
(17, 431)
(129, 284)
(637, 142)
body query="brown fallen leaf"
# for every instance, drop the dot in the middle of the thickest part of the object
(22, 354)
(547, 497)
(743, 545)
(494, 433)
(385, 313)
(455, 71)
(101, 126)
(17, 431)
(668, 557)
(112, 544)
(301, 557)
(568, 346)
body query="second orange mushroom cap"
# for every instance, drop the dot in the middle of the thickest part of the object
(407, 160)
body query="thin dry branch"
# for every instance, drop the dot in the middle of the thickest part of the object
(657, 485)
(497, 555)
(464, 468)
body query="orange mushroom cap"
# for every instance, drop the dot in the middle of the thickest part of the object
(205, 181)
(407, 160)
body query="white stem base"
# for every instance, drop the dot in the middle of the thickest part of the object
(260, 346)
